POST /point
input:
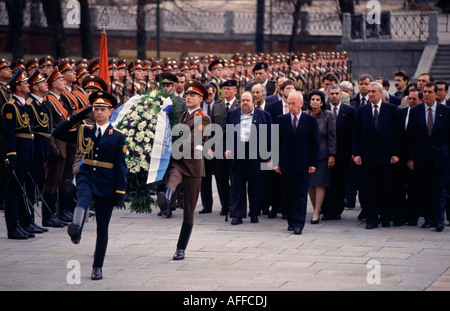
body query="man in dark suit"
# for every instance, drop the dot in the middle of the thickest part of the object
(376, 145)
(334, 201)
(404, 200)
(219, 114)
(299, 157)
(244, 146)
(277, 96)
(260, 71)
(274, 196)
(441, 95)
(360, 99)
(386, 85)
(428, 137)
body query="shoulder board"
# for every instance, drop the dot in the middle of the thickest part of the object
(115, 129)
(29, 101)
(199, 113)
(11, 101)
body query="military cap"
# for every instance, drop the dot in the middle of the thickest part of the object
(35, 78)
(94, 65)
(112, 63)
(80, 70)
(17, 78)
(84, 61)
(65, 65)
(3, 63)
(166, 78)
(46, 60)
(31, 63)
(196, 87)
(102, 99)
(184, 66)
(156, 65)
(17, 64)
(218, 63)
(94, 82)
(121, 63)
(135, 65)
(230, 82)
(259, 66)
(53, 77)
(294, 59)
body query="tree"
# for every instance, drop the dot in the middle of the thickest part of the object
(57, 34)
(141, 35)
(85, 30)
(15, 10)
(259, 35)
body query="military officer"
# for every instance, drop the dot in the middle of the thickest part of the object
(54, 166)
(18, 152)
(41, 131)
(188, 168)
(216, 69)
(102, 176)
(5, 95)
(296, 74)
(46, 65)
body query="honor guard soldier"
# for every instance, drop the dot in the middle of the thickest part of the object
(57, 154)
(17, 152)
(189, 170)
(5, 95)
(31, 66)
(46, 65)
(102, 177)
(120, 82)
(41, 131)
(137, 73)
(94, 66)
(295, 74)
(216, 69)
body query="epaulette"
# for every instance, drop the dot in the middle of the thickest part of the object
(199, 113)
(29, 101)
(115, 129)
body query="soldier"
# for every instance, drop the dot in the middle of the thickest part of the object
(31, 66)
(260, 71)
(102, 178)
(54, 166)
(137, 73)
(190, 170)
(216, 69)
(5, 95)
(41, 131)
(120, 81)
(18, 150)
(295, 74)
(94, 66)
(46, 65)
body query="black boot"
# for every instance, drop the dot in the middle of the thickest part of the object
(76, 226)
(64, 215)
(49, 210)
(164, 200)
(99, 256)
(183, 240)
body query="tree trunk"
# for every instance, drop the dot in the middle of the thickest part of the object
(296, 16)
(141, 36)
(15, 35)
(259, 35)
(85, 30)
(53, 14)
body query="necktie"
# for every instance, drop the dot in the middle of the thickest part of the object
(294, 124)
(335, 112)
(286, 108)
(430, 121)
(363, 101)
(209, 109)
(99, 134)
(375, 115)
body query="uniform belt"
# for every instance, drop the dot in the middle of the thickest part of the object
(25, 135)
(98, 163)
(47, 135)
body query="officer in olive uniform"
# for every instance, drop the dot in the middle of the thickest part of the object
(18, 151)
(102, 176)
(216, 69)
(189, 170)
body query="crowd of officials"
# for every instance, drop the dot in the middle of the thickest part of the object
(390, 149)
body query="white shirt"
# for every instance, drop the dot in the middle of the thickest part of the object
(338, 106)
(102, 128)
(246, 126)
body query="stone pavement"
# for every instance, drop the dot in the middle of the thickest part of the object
(337, 255)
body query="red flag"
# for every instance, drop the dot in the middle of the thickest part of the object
(104, 67)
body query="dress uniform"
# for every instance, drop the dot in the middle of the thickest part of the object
(102, 176)
(41, 130)
(189, 170)
(54, 166)
(18, 151)
(216, 81)
(297, 76)
(5, 95)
